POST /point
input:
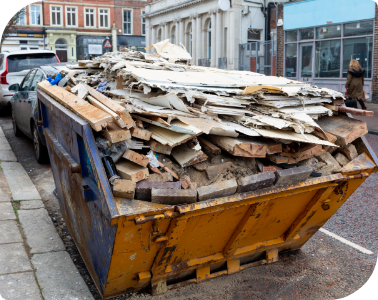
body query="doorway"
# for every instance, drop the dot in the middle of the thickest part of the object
(61, 49)
(306, 61)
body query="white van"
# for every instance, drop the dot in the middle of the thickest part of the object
(15, 65)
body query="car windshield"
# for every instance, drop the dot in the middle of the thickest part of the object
(21, 62)
(53, 69)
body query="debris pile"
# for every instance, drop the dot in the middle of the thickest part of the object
(179, 133)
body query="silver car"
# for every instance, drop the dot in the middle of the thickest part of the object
(24, 104)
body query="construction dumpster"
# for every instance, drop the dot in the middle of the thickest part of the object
(128, 245)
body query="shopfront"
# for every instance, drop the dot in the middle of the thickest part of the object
(90, 46)
(321, 37)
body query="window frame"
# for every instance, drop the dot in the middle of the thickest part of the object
(40, 12)
(24, 19)
(143, 23)
(94, 17)
(131, 21)
(76, 16)
(61, 15)
(99, 17)
(314, 40)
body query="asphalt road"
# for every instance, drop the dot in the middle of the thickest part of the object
(323, 269)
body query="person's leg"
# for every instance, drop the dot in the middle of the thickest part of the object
(362, 103)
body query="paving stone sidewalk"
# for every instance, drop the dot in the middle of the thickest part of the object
(33, 262)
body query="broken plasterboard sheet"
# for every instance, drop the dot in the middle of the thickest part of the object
(310, 110)
(292, 136)
(294, 102)
(170, 51)
(242, 129)
(209, 126)
(170, 100)
(168, 137)
(250, 90)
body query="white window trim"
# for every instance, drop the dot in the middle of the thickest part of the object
(30, 15)
(94, 17)
(76, 16)
(132, 23)
(141, 23)
(61, 15)
(99, 16)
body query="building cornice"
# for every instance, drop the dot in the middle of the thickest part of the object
(172, 7)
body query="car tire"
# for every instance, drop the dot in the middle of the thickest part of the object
(17, 132)
(41, 154)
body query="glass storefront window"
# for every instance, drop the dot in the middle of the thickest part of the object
(360, 49)
(327, 59)
(359, 28)
(291, 60)
(306, 34)
(291, 36)
(327, 32)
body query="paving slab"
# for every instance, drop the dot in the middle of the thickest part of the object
(58, 277)
(4, 145)
(20, 286)
(4, 196)
(6, 155)
(6, 211)
(9, 232)
(19, 182)
(39, 230)
(32, 204)
(13, 259)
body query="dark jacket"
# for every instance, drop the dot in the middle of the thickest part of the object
(355, 84)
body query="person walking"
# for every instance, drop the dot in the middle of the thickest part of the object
(355, 85)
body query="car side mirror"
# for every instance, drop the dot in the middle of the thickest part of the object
(14, 87)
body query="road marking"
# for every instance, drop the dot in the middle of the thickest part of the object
(359, 248)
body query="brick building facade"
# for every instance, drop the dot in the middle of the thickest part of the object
(79, 29)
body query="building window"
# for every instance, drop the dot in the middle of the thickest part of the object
(143, 24)
(158, 36)
(35, 15)
(327, 59)
(291, 36)
(291, 60)
(191, 39)
(306, 34)
(327, 32)
(127, 24)
(208, 40)
(90, 17)
(359, 28)
(71, 16)
(173, 35)
(56, 15)
(104, 18)
(360, 49)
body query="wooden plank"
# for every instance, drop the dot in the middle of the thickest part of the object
(124, 188)
(114, 134)
(140, 133)
(98, 104)
(354, 111)
(332, 138)
(169, 171)
(216, 190)
(209, 146)
(131, 171)
(160, 148)
(245, 147)
(344, 128)
(80, 91)
(135, 157)
(306, 151)
(97, 118)
(186, 156)
(114, 106)
(168, 137)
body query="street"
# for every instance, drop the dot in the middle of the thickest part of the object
(324, 268)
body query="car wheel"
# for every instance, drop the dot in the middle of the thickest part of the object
(17, 132)
(40, 150)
